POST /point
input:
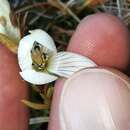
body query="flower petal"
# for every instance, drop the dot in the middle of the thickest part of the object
(11, 31)
(66, 63)
(4, 8)
(43, 38)
(24, 53)
(26, 44)
(38, 78)
(2, 29)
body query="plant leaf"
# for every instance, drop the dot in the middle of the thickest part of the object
(9, 43)
(37, 120)
(36, 106)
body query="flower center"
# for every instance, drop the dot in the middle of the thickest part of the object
(39, 57)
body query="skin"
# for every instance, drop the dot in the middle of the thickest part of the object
(103, 38)
(14, 114)
(92, 99)
(54, 115)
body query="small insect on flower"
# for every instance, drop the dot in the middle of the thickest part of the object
(40, 63)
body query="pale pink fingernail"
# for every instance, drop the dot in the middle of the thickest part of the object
(93, 99)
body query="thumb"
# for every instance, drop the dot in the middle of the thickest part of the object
(93, 99)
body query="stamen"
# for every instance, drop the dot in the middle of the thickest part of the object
(39, 57)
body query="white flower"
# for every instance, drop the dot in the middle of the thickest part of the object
(6, 27)
(40, 63)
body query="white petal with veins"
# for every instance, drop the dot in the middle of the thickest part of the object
(66, 63)
(37, 78)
